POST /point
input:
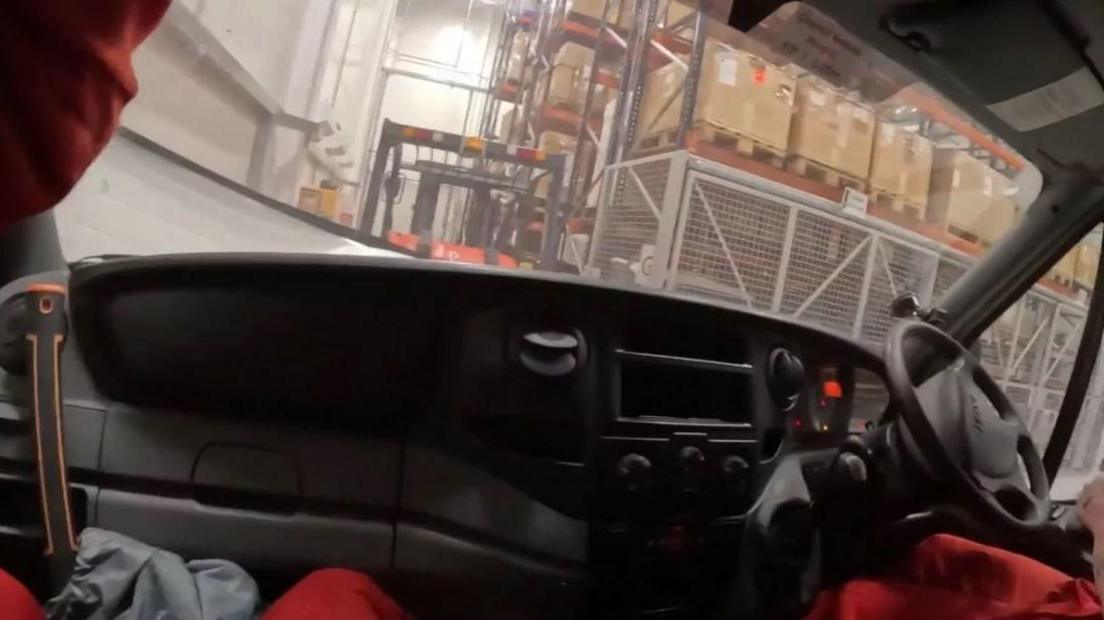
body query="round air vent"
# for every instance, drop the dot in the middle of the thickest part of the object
(551, 353)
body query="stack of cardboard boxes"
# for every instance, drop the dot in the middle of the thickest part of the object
(900, 168)
(968, 198)
(832, 128)
(738, 93)
(570, 77)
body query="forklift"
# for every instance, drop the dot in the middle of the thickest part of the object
(500, 223)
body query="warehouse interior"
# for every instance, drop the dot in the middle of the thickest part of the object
(641, 142)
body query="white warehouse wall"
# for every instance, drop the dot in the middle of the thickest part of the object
(134, 201)
(187, 106)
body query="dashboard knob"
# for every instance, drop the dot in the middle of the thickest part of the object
(785, 378)
(692, 459)
(734, 467)
(734, 470)
(635, 472)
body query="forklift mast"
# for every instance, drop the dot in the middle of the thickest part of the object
(488, 225)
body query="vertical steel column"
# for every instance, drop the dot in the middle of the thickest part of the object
(629, 105)
(507, 29)
(581, 134)
(693, 75)
(550, 240)
(375, 180)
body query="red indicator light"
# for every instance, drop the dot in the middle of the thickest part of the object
(797, 423)
(832, 389)
(759, 76)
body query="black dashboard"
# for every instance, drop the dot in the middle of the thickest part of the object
(543, 439)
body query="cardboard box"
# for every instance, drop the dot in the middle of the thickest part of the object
(901, 165)
(832, 128)
(1088, 259)
(322, 201)
(738, 92)
(969, 198)
(569, 80)
(591, 10)
(553, 143)
(677, 12)
(574, 55)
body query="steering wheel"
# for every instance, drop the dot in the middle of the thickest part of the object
(963, 430)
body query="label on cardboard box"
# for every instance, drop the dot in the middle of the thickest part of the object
(817, 98)
(863, 114)
(956, 179)
(987, 185)
(726, 67)
(855, 202)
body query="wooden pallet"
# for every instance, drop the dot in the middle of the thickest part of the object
(1062, 280)
(966, 235)
(896, 202)
(824, 174)
(717, 137)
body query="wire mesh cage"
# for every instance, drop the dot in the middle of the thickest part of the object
(731, 242)
(722, 235)
(628, 223)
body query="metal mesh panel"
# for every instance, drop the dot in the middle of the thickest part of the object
(1063, 348)
(946, 275)
(898, 268)
(1036, 317)
(824, 278)
(627, 222)
(1020, 396)
(753, 231)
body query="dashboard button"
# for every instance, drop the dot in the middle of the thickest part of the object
(692, 459)
(635, 472)
(735, 470)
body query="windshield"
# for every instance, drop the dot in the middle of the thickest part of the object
(792, 169)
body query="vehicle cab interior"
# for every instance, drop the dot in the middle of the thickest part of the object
(628, 435)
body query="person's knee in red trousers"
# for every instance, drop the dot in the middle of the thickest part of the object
(16, 602)
(337, 594)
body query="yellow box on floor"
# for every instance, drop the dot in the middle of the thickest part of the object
(738, 92)
(323, 201)
(967, 196)
(832, 128)
(901, 164)
(554, 143)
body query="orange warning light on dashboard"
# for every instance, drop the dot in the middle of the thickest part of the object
(832, 388)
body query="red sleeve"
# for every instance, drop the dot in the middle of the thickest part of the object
(65, 75)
